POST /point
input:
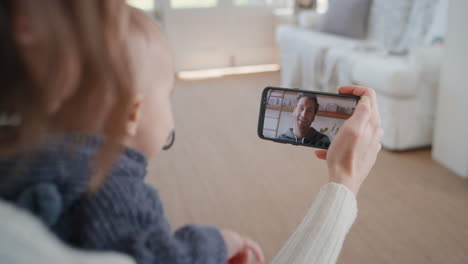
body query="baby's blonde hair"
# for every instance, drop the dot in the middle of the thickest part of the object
(145, 39)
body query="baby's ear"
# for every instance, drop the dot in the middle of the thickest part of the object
(134, 118)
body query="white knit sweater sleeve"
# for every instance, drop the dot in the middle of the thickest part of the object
(320, 236)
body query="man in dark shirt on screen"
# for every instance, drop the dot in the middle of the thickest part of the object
(304, 114)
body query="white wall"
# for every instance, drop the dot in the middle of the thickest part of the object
(451, 131)
(221, 36)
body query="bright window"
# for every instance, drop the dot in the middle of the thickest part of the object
(273, 3)
(183, 4)
(322, 6)
(146, 5)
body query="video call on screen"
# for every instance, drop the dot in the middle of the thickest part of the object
(305, 118)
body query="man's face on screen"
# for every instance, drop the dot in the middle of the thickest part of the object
(304, 113)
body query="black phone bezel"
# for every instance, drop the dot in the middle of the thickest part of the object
(263, 104)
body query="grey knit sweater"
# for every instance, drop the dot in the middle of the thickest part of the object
(124, 215)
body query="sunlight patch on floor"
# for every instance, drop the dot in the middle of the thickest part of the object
(221, 72)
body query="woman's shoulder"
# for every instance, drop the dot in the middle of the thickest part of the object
(18, 227)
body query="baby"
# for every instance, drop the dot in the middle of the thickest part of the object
(124, 214)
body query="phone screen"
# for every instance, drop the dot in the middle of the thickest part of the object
(303, 117)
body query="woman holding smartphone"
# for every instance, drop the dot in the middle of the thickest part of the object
(95, 59)
(351, 156)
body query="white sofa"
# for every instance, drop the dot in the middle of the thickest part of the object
(406, 85)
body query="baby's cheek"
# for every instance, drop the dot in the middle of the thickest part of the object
(161, 119)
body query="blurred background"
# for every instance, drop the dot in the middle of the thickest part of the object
(412, 208)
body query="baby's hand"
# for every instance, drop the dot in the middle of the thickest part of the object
(240, 248)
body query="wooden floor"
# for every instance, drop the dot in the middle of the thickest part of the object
(411, 210)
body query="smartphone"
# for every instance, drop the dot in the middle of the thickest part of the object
(305, 118)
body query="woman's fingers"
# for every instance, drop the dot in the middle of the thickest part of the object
(360, 118)
(359, 91)
(354, 90)
(364, 91)
(379, 133)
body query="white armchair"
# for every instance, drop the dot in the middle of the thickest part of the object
(406, 90)
(406, 85)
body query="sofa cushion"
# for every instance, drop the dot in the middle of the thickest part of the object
(389, 20)
(289, 36)
(308, 19)
(346, 18)
(389, 75)
(436, 33)
(302, 52)
(421, 16)
(398, 76)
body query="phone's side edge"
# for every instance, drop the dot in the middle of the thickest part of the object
(261, 115)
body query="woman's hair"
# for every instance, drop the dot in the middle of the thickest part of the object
(78, 78)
